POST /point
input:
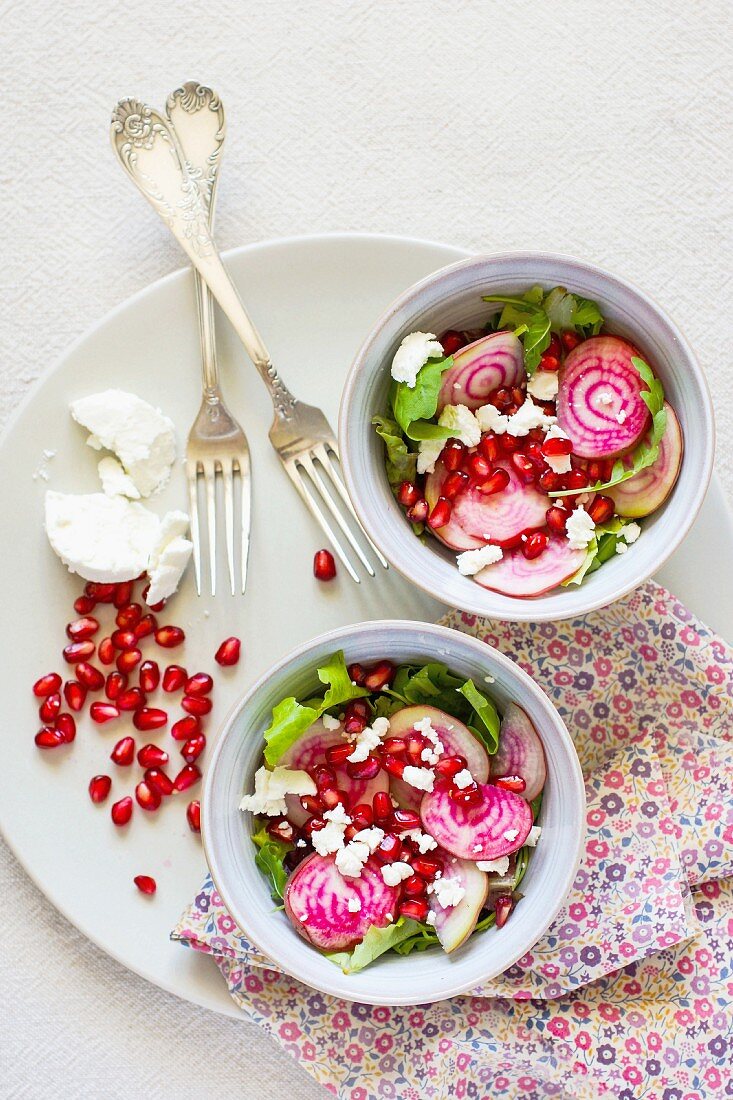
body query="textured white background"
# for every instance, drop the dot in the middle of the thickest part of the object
(596, 128)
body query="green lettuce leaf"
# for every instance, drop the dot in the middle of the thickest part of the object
(414, 407)
(401, 462)
(601, 548)
(486, 723)
(536, 315)
(269, 859)
(374, 944)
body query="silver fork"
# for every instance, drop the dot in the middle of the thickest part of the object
(305, 443)
(216, 442)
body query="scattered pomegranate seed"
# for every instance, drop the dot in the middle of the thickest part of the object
(576, 479)
(415, 909)
(364, 769)
(448, 766)
(124, 752)
(535, 545)
(50, 707)
(81, 629)
(128, 660)
(193, 816)
(92, 678)
(115, 685)
(382, 806)
(174, 677)
(408, 494)
(83, 605)
(122, 593)
(337, 754)
(426, 866)
(478, 466)
(389, 849)
(395, 746)
(381, 676)
(324, 777)
(557, 446)
(324, 566)
(75, 694)
(131, 699)
(419, 511)
(124, 639)
(106, 651)
(405, 819)
(149, 718)
(356, 715)
(393, 765)
(513, 783)
(489, 447)
(281, 829)
(78, 651)
(453, 454)
(556, 519)
(601, 509)
(103, 712)
(100, 593)
(517, 395)
(186, 727)
(48, 738)
(509, 443)
(150, 756)
(549, 481)
(99, 787)
(192, 749)
(145, 884)
(199, 684)
(147, 797)
(362, 815)
(228, 652)
(47, 685)
(496, 482)
(169, 636)
(313, 825)
(187, 776)
(196, 704)
(121, 811)
(414, 746)
(149, 676)
(414, 886)
(451, 341)
(503, 907)
(66, 725)
(440, 514)
(570, 340)
(311, 804)
(158, 781)
(501, 398)
(549, 362)
(554, 347)
(332, 797)
(147, 625)
(465, 796)
(454, 484)
(523, 467)
(129, 616)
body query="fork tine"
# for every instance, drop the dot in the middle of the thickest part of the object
(193, 507)
(210, 477)
(306, 461)
(226, 472)
(310, 503)
(322, 451)
(246, 504)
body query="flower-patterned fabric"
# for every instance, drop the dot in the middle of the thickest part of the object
(630, 993)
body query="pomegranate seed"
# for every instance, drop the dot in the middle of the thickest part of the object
(549, 481)
(503, 907)
(124, 639)
(199, 684)
(523, 467)
(333, 797)
(414, 745)
(357, 674)
(402, 820)
(149, 676)
(81, 629)
(501, 398)
(99, 787)
(394, 766)
(192, 749)
(75, 694)
(509, 443)
(395, 746)
(174, 677)
(440, 514)
(313, 825)
(408, 494)
(129, 616)
(576, 479)
(281, 829)
(381, 676)
(103, 712)
(389, 849)
(100, 593)
(186, 727)
(414, 886)
(350, 832)
(149, 718)
(83, 605)
(311, 804)
(570, 340)
(364, 769)
(116, 684)
(363, 815)
(489, 448)
(122, 594)
(535, 545)
(415, 909)
(169, 636)
(124, 752)
(454, 484)
(150, 756)
(158, 781)
(147, 625)
(89, 676)
(451, 341)
(193, 816)
(549, 362)
(66, 725)
(106, 651)
(147, 797)
(453, 454)
(47, 685)
(595, 471)
(196, 704)
(50, 707)
(554, 347)
(426, 866)
(513, 783)
(128, 660)
(356, 716)
(78, 651)
(48, 738)
(478, 466)
(145, 884)
(465, 796)
(337, 754)
(601, 509)
(496, 482)
(188, 775)
(228, 652)
(324, 566)
(557, 446)
(556, 519)
(419, 511)
(448, 766)
(121, 811)
(324, 776)
(382, 806)
(132, 699)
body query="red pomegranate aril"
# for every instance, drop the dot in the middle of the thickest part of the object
(78, 651)
(601, 509)
(48, 738)
(228, 652)
(533, 452)
(489, 448)
(124, 752)
(362, 815)
(478, 466)
(440, 514)
(92, 678)
(75, 694)
(382, 806)
(116, 683)
(192, 749)
(356, 715)
(174, 677)
(185, 728)
(451, 341)
(324, 565)
(549, 481)
(324, 777)
(381, 676)
(556, 519)
(448, 766)
(364, 769)
(595, 471)
(50, 707)
(149, 718)
(169, 636)
(517, 395)
(535, 545)
(132, 699)
(402, 820)
(128, 660)
(350, 832)
(199, 684)
(122, 593)
(414, 909)
(453, 454)
(129, 616)
(99, 788)
(193, 816)
(313, 825)
(146, 626)
(47, 685)
(414, 744)
(414, 886)
(81, 629)
(408, 494)
(524, 468)
(454, 484)
(501, 399)
(393, 765)
(395, 746)
(84, 605)
(100, 593)
(145, 884)
(357, 674)
(158, 781)
(509, 443)
(196, 704)
(576, 479)
(150, 756)
(465, 796)
(106, 651)
(147, 797)
(281, 829)
(187, 776)
(557, 446)
(549, 363)
(121, 811)
(554, 347)
(389, 849)
(419, 511)
(311, 804)
(570, 340)
(496, 482)
(513, 783)
(331, 798)
(426, 866)
(103, 712)
(337, 754)
(66, 725)
(503, 907)
(124, 639)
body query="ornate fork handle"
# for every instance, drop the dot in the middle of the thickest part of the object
(147, 148)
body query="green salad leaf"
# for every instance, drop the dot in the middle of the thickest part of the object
(414, 407)
(374, 944)
(269, 859)
(601, 548)
(536, 315)
(486, 722)
(401, 462)
(434, 685)
(290, 719)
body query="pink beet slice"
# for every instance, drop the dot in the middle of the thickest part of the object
(515, 576)
(317, 899)
(482, 367)
(456, 739)
(647, 490)
(500, 517)
(520, 752)
(308, 752)
(599, 402)
(498, 825)
(452, 535)
(455, 924)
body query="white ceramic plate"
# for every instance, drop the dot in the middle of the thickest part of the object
(313, 299)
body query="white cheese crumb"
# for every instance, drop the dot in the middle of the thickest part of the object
(476, 848)
(605, 398)
(559, 464)
(300, 843)
(425, 842)
(533, 836)
(499, 866)
(511, 834)
(354, 905)
(372, 837)
(491, 420)
(463, 779)
(448, 892)
(430, 919)
(422, 778)
(105, 539)
(462, 424)
(579, 528)
(543, 385)
(631, 532)
(271, 788)
(412, 355)
(489, 679)
(115, 482)
(41, 470)
(350, 859)
(330, 723)
(428, 453)
(431, 755)
(621, 547)
(389, 918)
(169, 557)
(368, 740)
(621, 416)
(473, 561)
(527, 417)
(395, 873)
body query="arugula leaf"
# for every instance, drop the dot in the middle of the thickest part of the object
(587, 317)
(487, 726)
(536, 315)
(401, 462)
(374, 944)
(269, 859)
(601, 548)
(290, 719)
(415, 406)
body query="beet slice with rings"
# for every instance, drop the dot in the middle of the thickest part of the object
(496, 826)
(520, 752)
(480, 368)
(452, 534)
(599, 404)
(646, 491)
(500, 517)
(454, 924)
(514, 575)
(317, 900)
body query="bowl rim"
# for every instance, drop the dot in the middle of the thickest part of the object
(338, 984)
(518, 609)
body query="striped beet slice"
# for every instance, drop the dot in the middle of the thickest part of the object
(496, 826)
(317, 900)
(599, 402)
(647, 490)
(514, 575)
(482, 367)
(500, 517)
(452, 535)
(455, 924)
(520, 752)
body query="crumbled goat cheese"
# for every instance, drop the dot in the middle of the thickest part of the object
(511, 834)
(432, 752)
(425, 842)
(579, 528)
(330, 838)
(489, 679)
(115, 482)
(368, 740)
(543, 385)
(463, 779)
(621, 416)
(630, 532)
(462, 424)
(271, 788)
(498, 866)
(527, 417)
(491, 420)
(621, 547)
(169, 557)
(422, 778)
(430, 919)
(350, 859)
(104, 539)
(428, 453)
(560, 464)
(430, 755)
(395, 873)
(476, 848)
(448, 892)
(533, 836)
(605, 398)
(300, 843)
(412, 355)
(473, 561)
(41, 470)
(372, 837)
(354, 905)
(330, 723)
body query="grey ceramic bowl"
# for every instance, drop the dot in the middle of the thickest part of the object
(451, 298)
(431, 975)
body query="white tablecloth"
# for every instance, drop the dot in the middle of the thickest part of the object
(588, 127)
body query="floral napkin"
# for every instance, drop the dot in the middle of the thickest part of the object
(630, 993)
